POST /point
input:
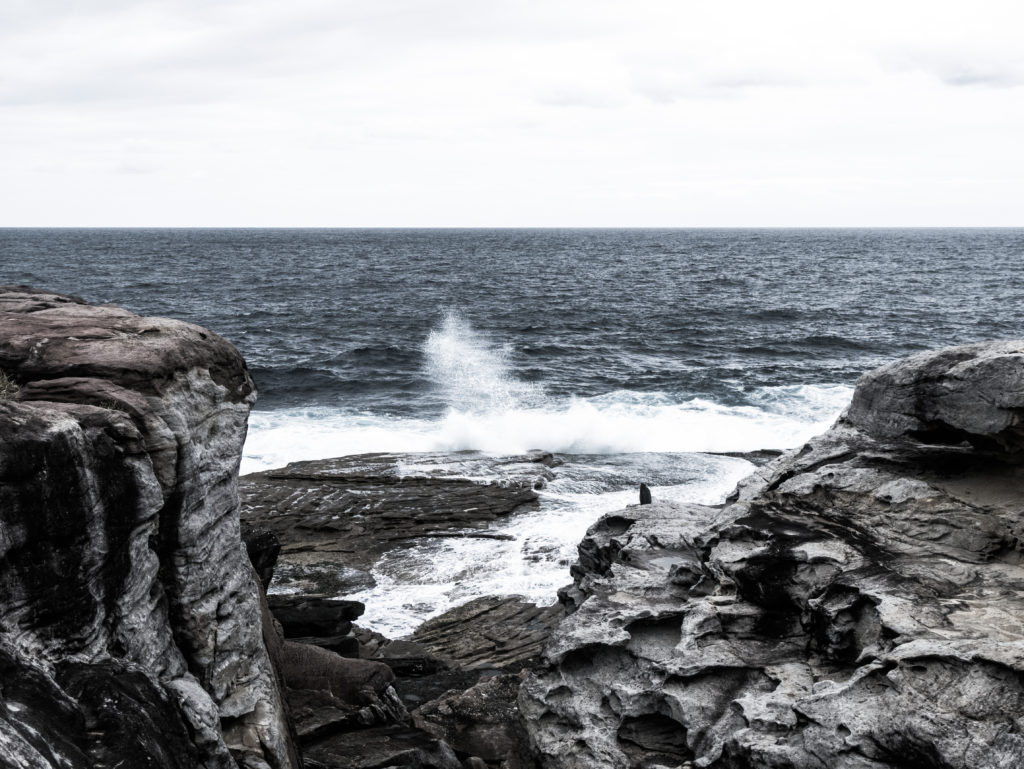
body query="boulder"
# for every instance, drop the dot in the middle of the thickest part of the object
(482, 721)
(314, 615)
(972, 393)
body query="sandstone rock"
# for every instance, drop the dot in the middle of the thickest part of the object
(385, 747)
(314, 615)
(344, 645)
(490, 633)
(263, 547)
(349, 680)
(459, 674)
(128, 608)
(482, 721)
(856, 604)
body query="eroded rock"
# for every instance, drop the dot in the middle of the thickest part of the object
(128, 603)
(856, 605)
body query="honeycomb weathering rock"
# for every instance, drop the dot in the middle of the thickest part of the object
(857, 604)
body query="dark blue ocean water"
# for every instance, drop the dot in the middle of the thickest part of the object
(629, 351)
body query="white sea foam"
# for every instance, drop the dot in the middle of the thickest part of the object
(611, 424)
(437, 575)
(490, 410)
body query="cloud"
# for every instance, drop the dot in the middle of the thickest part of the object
(959, 71)
(405, 111)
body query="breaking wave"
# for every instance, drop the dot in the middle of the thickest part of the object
(489, 409)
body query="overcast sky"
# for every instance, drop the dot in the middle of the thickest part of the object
(518, 113)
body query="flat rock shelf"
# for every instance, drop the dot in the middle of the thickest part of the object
(336, 518)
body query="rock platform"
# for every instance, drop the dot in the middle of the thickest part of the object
(335, 518)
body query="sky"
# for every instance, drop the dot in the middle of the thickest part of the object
(477, 113)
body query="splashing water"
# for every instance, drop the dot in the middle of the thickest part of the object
(609, 443)
(615, 423)
(472, 373)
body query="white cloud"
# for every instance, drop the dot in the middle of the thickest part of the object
(457, 112)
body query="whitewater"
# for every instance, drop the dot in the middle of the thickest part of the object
(632, 354)
(489, 409)
(608, 444)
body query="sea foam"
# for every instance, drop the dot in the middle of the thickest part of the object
(616, 423)
(491, 410)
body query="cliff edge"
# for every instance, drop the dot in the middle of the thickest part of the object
(129, 630)
(856, 604)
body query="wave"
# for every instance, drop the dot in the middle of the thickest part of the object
(489, 409)
(617, 423)
(471, 372)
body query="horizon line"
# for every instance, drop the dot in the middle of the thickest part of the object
(513, 227)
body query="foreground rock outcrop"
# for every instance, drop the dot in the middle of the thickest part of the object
(857, 604)
(129, 613)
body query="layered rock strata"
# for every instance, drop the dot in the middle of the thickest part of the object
(129, 617)
(857, 604)
(487, 645)
(335, 518)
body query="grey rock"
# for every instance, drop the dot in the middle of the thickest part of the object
(314, 615)
(127, 600)
(384, 747)
(490, 633)
(336, 518)
(483, 721)
(263, 547)
(856, 604)
(974, 392)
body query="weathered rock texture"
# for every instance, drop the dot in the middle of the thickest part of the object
(459, 675)
(858, 604)
(335, 518)
(129, 614)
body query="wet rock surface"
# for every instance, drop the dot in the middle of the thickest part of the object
(335, 518)
(857, 604)
(373, 716)
(129, 616)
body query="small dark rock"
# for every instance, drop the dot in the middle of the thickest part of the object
(645, 494)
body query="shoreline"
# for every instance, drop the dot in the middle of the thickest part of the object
(857, 598)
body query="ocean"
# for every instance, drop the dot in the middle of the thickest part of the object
(636, 355)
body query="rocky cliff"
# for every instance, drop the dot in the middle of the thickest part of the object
(129, 614)
(857, 604)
